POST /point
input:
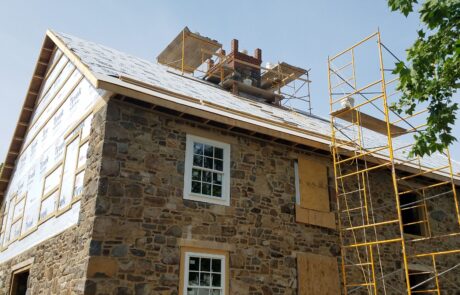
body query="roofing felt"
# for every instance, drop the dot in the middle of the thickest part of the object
(109, 62)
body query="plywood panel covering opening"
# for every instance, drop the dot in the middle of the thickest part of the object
(317, 274)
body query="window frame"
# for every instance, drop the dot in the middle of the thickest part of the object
(415, 272)
(417, 210)
(187, 252)
(45, 195)
(15, 276)
(188, 194)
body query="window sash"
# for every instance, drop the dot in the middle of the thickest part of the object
(224, 198)
(207, 169)
(187, 271)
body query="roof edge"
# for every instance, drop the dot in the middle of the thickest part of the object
(50, 42)
(83, 68)
(168, 99)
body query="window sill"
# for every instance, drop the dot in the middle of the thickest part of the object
(209, 200)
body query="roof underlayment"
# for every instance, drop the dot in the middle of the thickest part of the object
(106, 61)
(105, 67)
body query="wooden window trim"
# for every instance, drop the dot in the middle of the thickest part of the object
(77, 83)
(75, 200)
(69, 141)
(6, 243)
(204, 251)
(22, 198)
(53, 190)
(188, 195)
(25, 268)
(48, 74)
(10, 208)
(56, 51)
(64, 82)
(20, 218)
(2, 217)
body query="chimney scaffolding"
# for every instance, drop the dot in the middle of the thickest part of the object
(240, 73)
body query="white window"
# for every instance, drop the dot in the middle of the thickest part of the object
(207, 171)
(204, 274)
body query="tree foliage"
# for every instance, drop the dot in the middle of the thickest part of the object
(432, 71)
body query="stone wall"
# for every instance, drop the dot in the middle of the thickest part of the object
(388, 258)
(142, 218)
(134, 219)
(60, 263)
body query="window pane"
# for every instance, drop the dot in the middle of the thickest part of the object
(208, 162)
(196, 174)
(205, 279)
(69, 172)
(208, 150)
(205, 264)
(48, 205)
(197, 148)
(82, 155)
(218, 153)
(52, 180)
(198, 161)
(15, 230)
(216, 280)
(216, 265)
(217, 178)
(18, 209)
(78, 187)
(206, 189)
(191, 291)
(207, 176)
(193, 278)
(218, 165)
(215, 292)
(196, 187)
(194, 263)
(203, 292)
(217, 191)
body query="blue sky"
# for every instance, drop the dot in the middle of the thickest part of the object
(302, 33)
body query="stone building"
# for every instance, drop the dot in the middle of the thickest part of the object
(125, 176)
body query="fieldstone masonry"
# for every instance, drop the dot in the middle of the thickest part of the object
(142, 218)
(134, 219)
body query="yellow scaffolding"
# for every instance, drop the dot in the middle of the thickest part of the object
(204, 58)
(366, 230)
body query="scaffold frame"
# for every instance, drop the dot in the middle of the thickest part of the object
(360, 242)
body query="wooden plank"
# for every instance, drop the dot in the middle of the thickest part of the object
(368, 122)
(280, 75)
(249, 89)
(313, 180)
(196, 51)
(317, 274)
(312, 217)
(211, 111)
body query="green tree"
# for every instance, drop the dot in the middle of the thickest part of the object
(432, 71)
